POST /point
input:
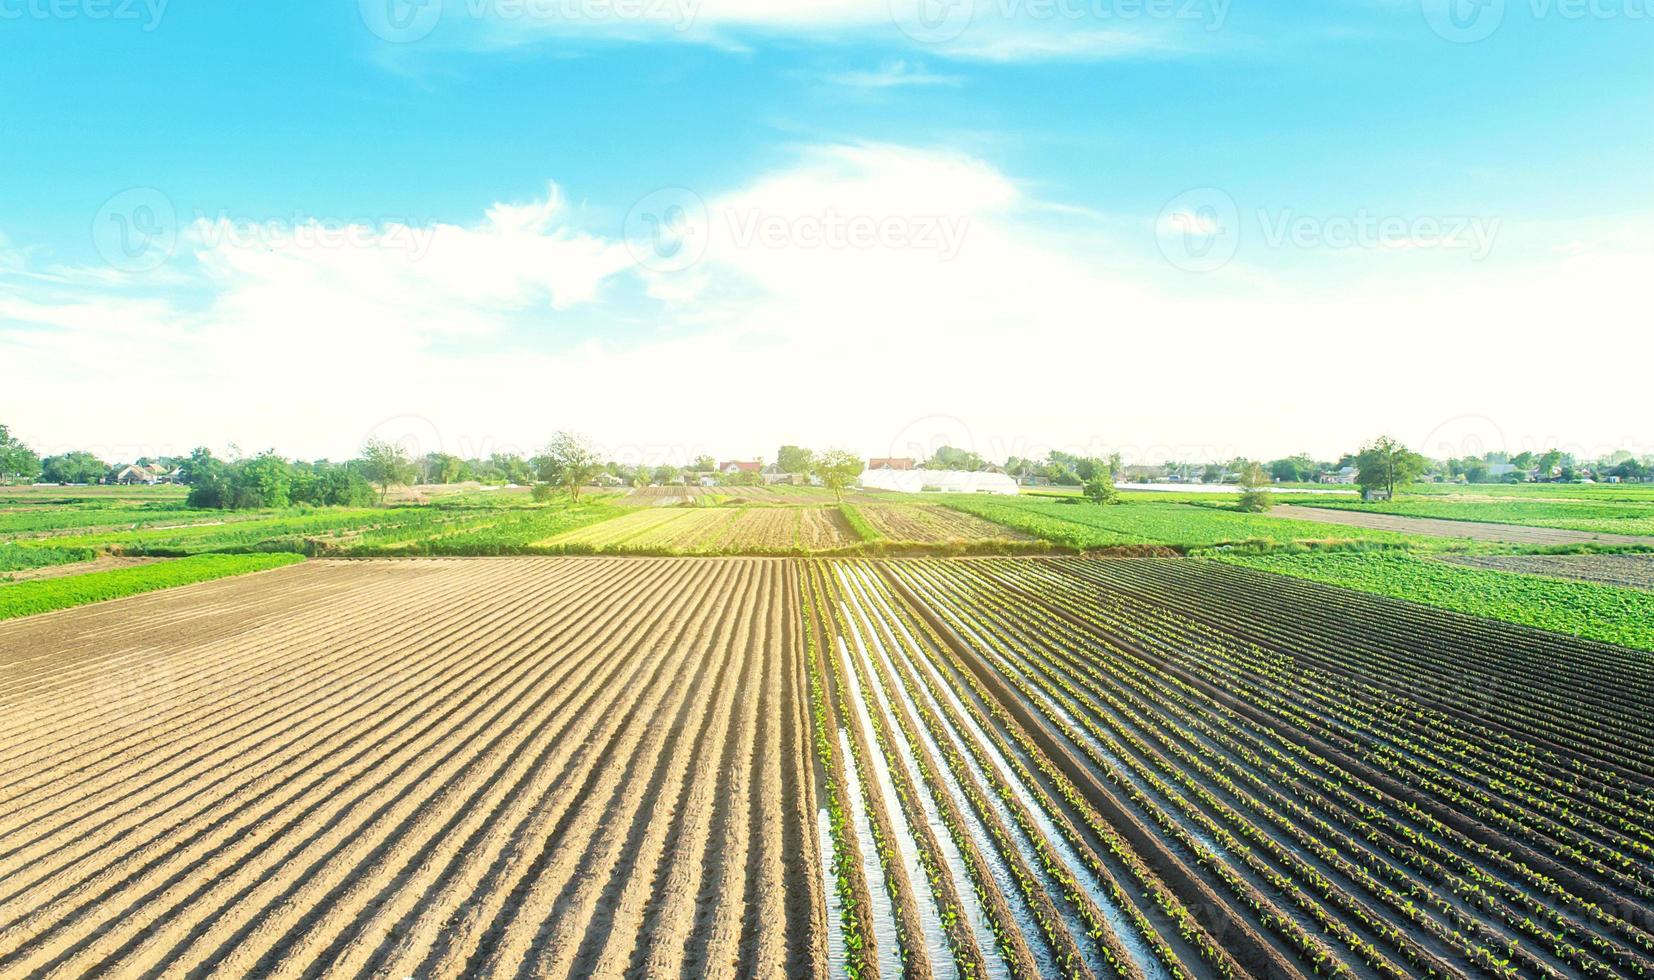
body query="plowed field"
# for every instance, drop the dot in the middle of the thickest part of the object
(642, 767)
(490, 768)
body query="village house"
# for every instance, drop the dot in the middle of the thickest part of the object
(899, 464)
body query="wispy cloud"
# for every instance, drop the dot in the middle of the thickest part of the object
(894, 74)
(960, 30)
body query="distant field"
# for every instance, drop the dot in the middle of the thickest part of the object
(1632, 492)
(933, 524)
(1597, 515)
(1084, 526)
(1585, 609)
(712, 531)
(1626, 571)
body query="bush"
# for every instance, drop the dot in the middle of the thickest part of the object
(544, 493)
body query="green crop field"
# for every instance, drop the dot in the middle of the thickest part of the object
(1605, 516)
(1182, 526)
(30, 598)
(1586, 609)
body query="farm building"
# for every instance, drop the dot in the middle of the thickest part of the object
(735, 466)
(900, 463)
(938, 481)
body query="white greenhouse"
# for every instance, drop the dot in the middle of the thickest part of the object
(938, 481)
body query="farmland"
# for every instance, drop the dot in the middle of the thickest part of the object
(1179, 526)
(1627, 571)
(992, 767)
(1598, 611)
(1159, 768)
(1602, 513)
(419, 768)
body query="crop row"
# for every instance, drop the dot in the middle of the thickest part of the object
(1361, 822)
(989, 860)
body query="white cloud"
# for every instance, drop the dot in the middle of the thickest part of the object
(893, 74)
(975, 30)
(1040, 325)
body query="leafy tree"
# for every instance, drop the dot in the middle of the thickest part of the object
(667, 474)
(1630, 470)
(837, 469)
(1100, 489)
(1548, 463)
(704, 464)
(17, 461)
(794, 459)
(543, 493)
(1255, 497)
(384, 465)
(74, 467)
(570, 462)
(1293, 469)
(441, 468)
(1386, 464)
(950, 458)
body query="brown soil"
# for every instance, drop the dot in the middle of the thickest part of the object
(425, 768)
(106, 563)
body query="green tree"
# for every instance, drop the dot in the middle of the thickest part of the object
(837, 469)
(1385, 464)
(570, 462)
(949, 458)
(17, 461)
(1294, 469)
(1100, 488)
(1255, 497)
(794, 459)
(384, 465)
(704, 464)
(74, 467)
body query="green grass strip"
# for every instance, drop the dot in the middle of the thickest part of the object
(1585, 609)
(858, 523)
(46, 595)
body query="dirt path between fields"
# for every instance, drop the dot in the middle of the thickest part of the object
(1474, 530)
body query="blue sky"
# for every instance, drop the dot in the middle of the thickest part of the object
(1445, 187)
